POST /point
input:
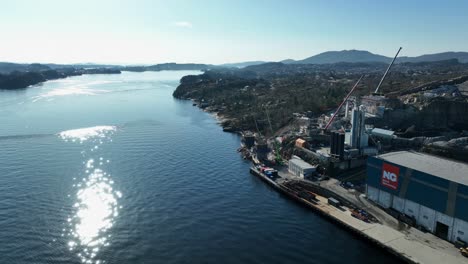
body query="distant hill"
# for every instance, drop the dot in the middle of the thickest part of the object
(354, 56)
(243, 64)
(31, 74)
(81, 65)
(461, 56)
(329, 57)
(169, 67)
(341, 56)
(288, 61)
(7, 67)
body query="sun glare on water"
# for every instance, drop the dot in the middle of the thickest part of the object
(72, 89)
(96, 200)
(83, 134)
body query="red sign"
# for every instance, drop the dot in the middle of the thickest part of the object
(390, 175)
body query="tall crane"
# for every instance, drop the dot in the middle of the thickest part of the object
(354, 87)
(385, 74)
(342, 103)
(256, 125)
(278, 158)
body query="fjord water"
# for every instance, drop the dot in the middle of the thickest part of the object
(112, 169)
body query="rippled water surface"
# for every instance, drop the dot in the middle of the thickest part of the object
(112, 169)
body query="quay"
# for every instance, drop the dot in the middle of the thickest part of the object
(408, 244)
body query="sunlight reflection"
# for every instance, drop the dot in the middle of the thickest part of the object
(83, 134)
(96, 208)
(96, 201)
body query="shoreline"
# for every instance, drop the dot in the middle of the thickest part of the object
(405, 246)
(25, 80)
(221, 119)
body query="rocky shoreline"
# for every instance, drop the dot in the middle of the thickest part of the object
(223, 120)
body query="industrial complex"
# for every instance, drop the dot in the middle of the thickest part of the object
(370, 180)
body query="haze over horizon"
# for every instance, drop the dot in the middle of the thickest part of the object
(216, 32)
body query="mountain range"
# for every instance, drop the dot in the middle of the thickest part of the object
(366, 56)
(359, 56)
(329, 57)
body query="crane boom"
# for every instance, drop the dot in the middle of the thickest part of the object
(342, 103)
(277, 152)
(271, 128)
(385, 74)
(256, 125)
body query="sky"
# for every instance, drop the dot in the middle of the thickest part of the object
(221, 31)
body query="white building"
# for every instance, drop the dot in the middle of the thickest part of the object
(300, 168)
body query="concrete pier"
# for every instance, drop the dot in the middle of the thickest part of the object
(408, 244)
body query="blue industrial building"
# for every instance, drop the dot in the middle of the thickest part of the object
(431, 190)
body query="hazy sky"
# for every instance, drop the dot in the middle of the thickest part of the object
(220, 31)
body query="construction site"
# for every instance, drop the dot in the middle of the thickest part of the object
(375, 167)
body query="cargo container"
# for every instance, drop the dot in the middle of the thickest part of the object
(301, 143)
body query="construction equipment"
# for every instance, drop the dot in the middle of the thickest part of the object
(342, 103)
(256, 125)
(354, 87)
(278, 158)
(385, 74)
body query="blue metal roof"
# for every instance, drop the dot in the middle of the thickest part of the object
(451, 170)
